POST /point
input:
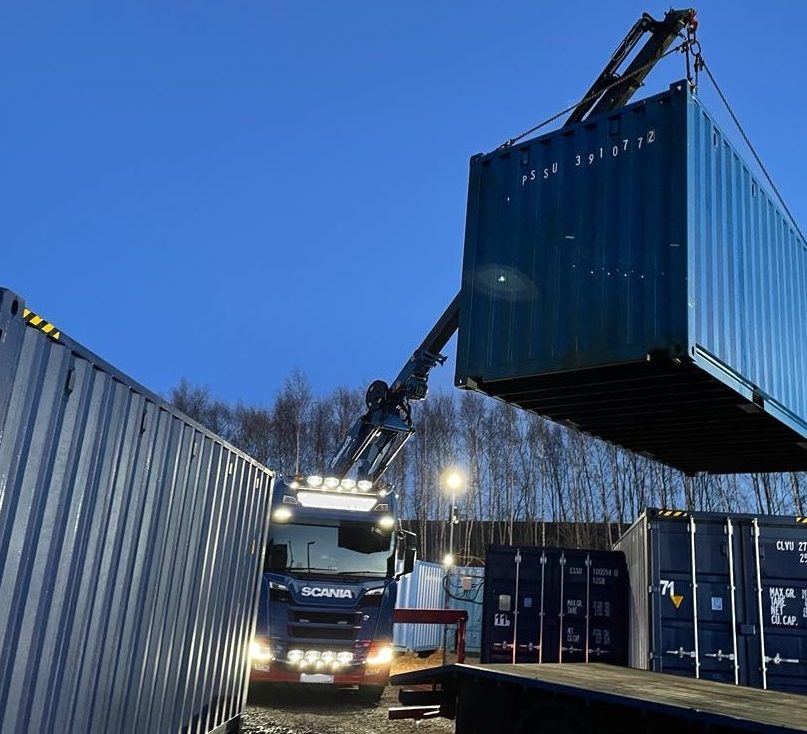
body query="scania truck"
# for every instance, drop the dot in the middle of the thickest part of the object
(335, 548)
(332, 560)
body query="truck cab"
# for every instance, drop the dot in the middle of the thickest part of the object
(329, 585)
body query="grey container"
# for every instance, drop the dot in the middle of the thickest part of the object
(630, 276)
(130, 548)
(719, 597)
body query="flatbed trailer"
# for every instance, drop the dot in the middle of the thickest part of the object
(587, 698)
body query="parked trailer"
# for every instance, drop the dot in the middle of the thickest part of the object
(580, 698)
(130, 548)
(719, 596)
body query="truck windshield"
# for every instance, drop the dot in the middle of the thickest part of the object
(341, 548)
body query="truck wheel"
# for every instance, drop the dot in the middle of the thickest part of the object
(371, 694)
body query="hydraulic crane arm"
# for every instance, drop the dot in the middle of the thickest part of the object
(602, 96)
(375, 438)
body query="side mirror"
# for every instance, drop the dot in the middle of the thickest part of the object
(409, 560)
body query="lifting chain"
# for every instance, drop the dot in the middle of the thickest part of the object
(692, 48)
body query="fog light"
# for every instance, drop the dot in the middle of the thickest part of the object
(344, 658)
(311, 656)
(295, 656)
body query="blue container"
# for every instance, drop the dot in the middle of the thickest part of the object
(719, 597)
(131, 541)
(466, 586)
(554, 605)
(629, 276)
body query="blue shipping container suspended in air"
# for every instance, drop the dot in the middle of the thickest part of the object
(629, 276)
(131, 546)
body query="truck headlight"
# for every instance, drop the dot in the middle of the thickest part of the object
(259, 651)
(380, 656)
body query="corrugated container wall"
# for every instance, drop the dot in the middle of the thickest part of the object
(554, 605)
(130, 548)
(629, 276)
(720, 597)
(421, 589)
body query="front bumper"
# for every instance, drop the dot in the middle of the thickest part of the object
(357, 675)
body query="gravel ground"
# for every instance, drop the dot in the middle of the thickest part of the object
(313, 710)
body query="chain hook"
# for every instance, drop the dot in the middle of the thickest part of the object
(693, 47)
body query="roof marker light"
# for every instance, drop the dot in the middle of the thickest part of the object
(348, 484)
(365, 485)
(314, 480)
(331, 482)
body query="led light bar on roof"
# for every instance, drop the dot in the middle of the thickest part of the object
(330, 501)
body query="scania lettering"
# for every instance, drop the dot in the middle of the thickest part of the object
(320, 592)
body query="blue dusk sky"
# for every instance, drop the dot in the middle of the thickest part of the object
(228, 190)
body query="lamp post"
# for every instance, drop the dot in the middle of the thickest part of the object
(454, 482)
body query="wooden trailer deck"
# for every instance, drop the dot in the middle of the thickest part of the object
(719, 704)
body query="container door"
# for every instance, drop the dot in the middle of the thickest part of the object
(693, 600)
(512, 611)
(780, 579)
(715, 620)
(607, 609)
(575, 583)
(672, 602)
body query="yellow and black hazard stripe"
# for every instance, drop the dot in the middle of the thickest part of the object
(38, 322)
(801, 520)
(672, 513)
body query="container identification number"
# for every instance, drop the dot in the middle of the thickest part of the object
(792, 546)
(591, 157)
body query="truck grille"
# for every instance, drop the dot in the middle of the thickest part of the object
(311, 617)
(306, 623)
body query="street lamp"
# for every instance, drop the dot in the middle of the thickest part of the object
(454, 482)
